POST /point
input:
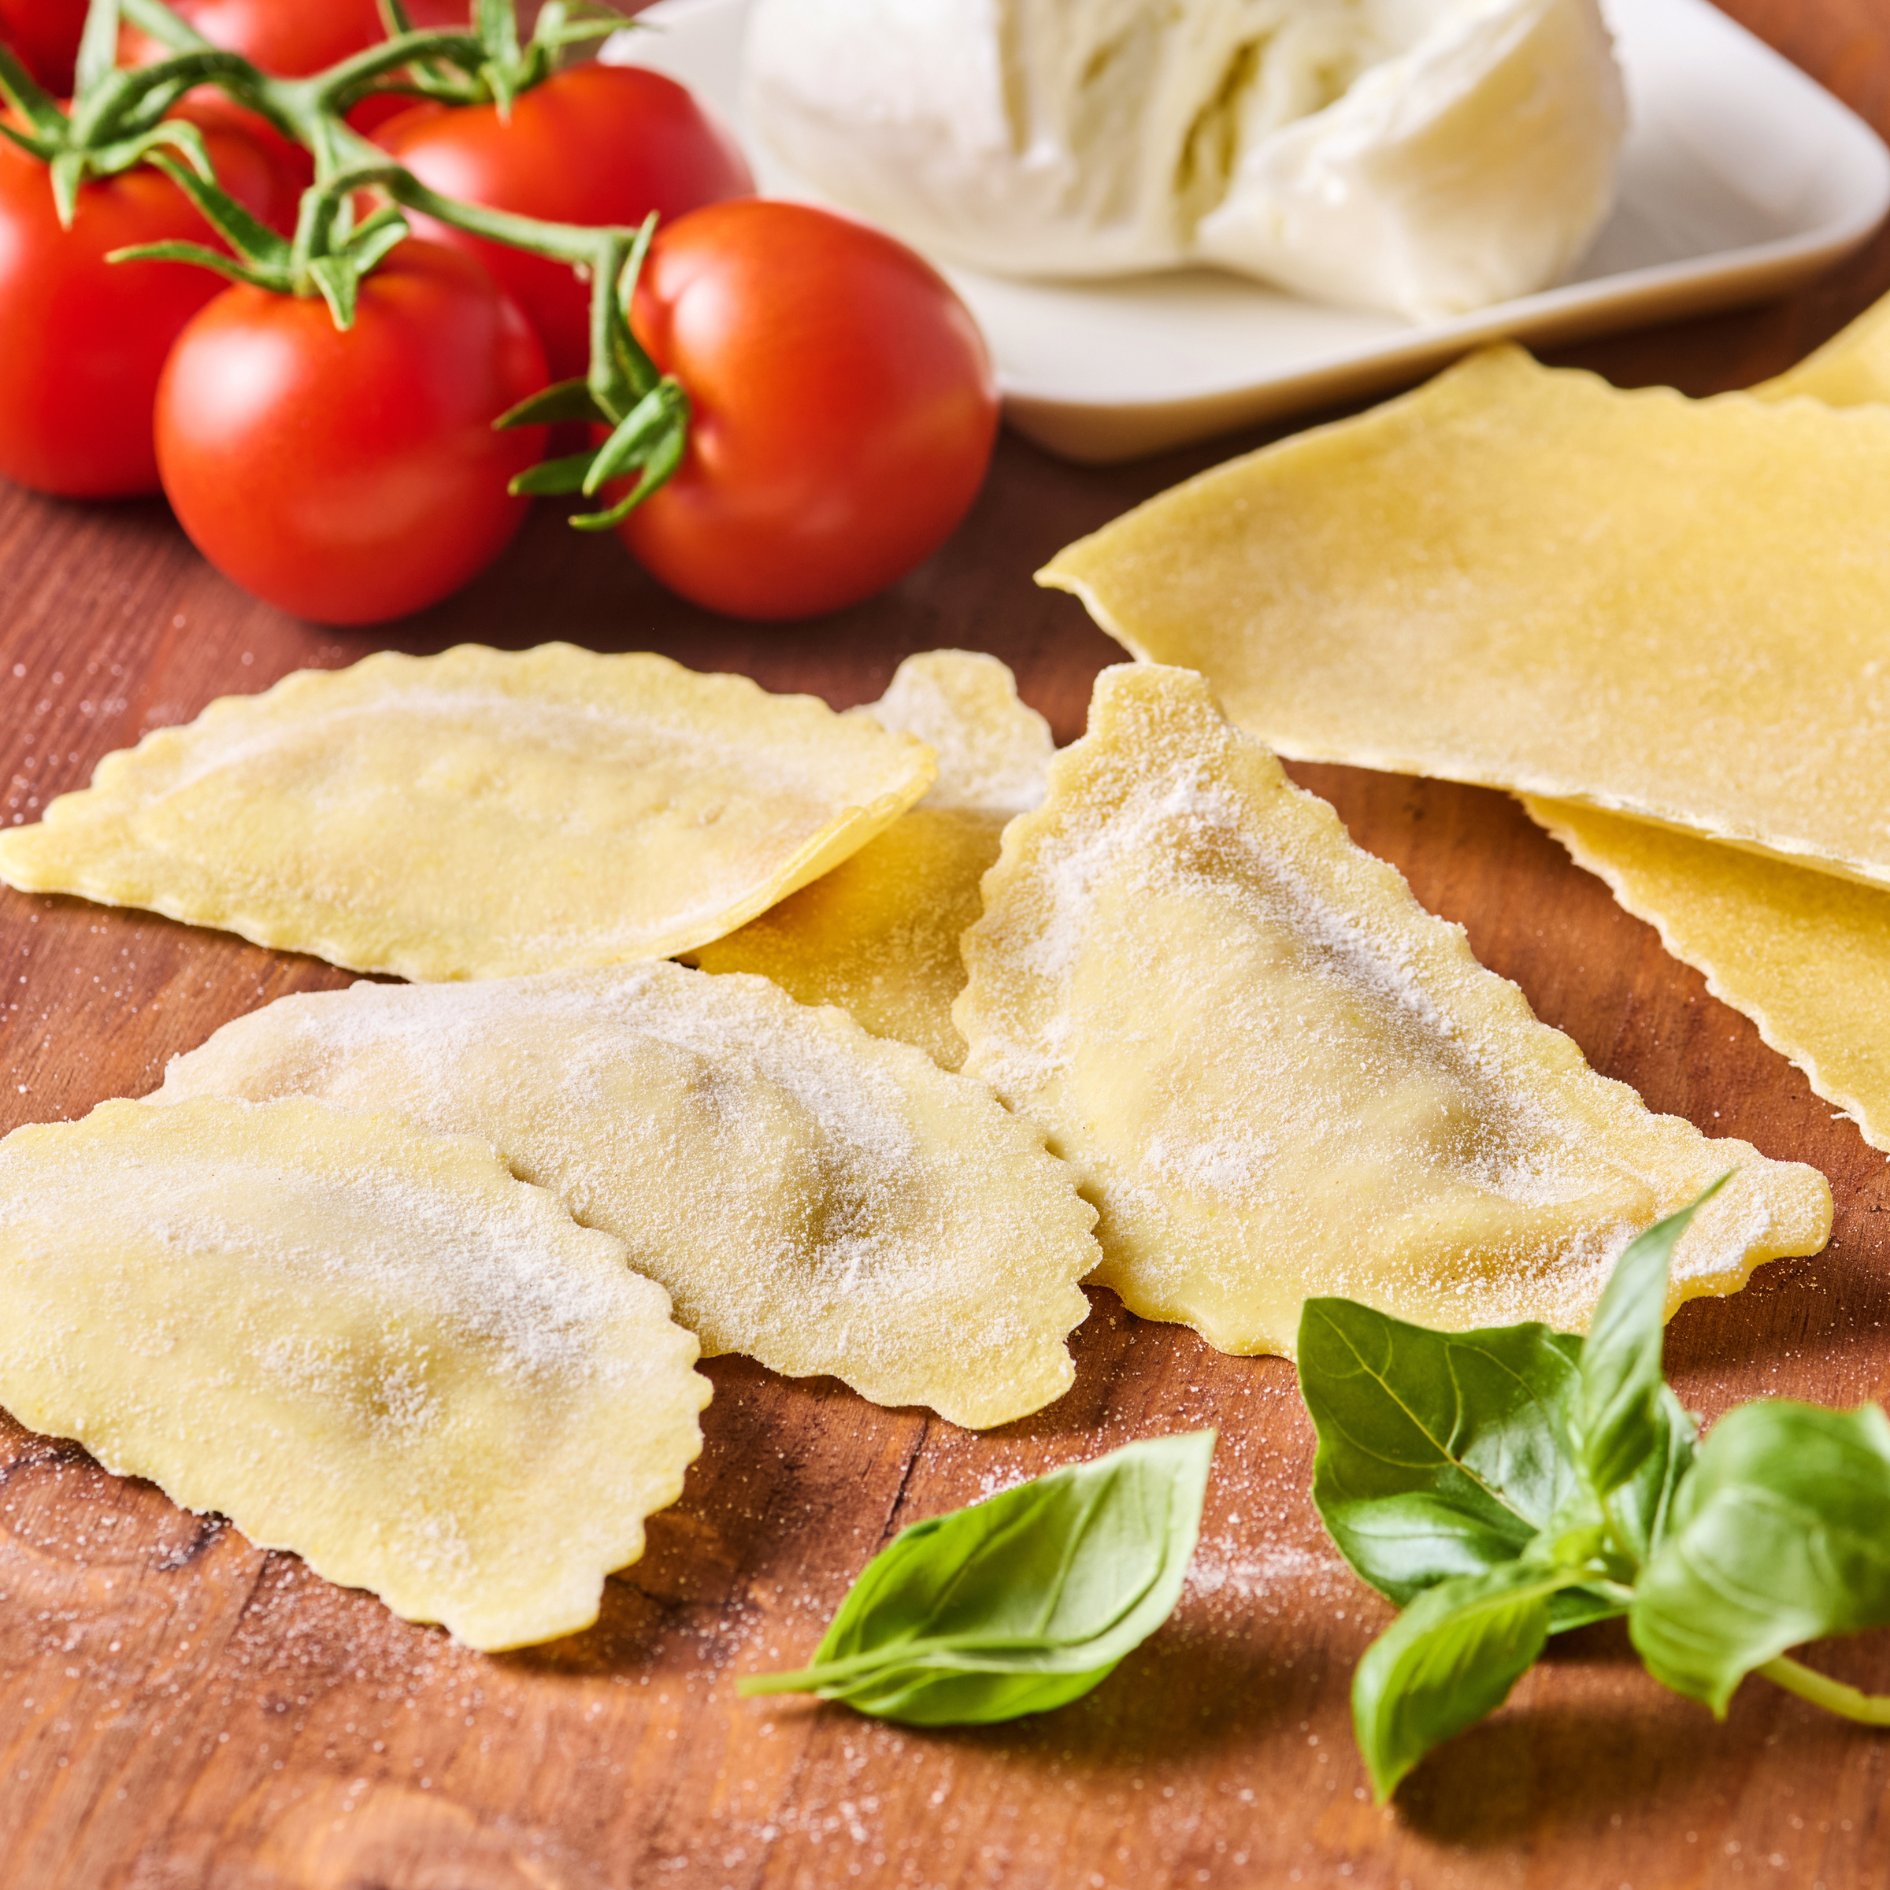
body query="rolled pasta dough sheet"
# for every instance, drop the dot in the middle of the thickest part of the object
(1804, 954)
(1277, 1076)
(812, 1196)
(878, 935)
(480, 813)
(1522, 577)
(362, 1342)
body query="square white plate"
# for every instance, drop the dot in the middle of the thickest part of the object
(1741, 178)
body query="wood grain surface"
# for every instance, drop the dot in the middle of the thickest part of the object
(179, 1710)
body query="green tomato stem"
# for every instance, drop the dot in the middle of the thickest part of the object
(1868, 1709)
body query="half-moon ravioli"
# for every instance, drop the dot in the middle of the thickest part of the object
(359, 1341)
(479, 813)
(878, 935)
(814, 1197)
(1278, 1076)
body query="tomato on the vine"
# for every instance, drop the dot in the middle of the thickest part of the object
(352, 476)
(44, 35)
(83, 341)
(842, 409)
(594, 145)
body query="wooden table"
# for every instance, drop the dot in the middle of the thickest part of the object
(179, 1710)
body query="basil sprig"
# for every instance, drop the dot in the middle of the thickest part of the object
(1020, 1603)
(1506, 1484)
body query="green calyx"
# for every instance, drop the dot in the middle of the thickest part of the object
(647, 411)
(500, 66)
(328, 255)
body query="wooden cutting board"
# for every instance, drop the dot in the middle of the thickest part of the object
(178, 1709)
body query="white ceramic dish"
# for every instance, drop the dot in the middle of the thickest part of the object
(1740, 179)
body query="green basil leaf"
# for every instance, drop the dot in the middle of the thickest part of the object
(1623, 1423)
(1781, 1534)
(1019, 1603)
(1641, 1509)
(1449, 1660)
(1441, 1454)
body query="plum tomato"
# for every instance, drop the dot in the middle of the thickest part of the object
(594, 144)
(44, 35)
(352, 476)
(842, 409)
(83, 341)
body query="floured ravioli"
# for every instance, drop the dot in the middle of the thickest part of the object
(812, 1196)
(879, 934)
(1805, 955)
(478, 813)
(1278, 1076)
(361, 1342)
(1523, 577)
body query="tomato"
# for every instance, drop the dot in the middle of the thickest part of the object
(595, 144)
(843, 409)
(82, 341)
(291, 38)
(44, 35)
(352, 477)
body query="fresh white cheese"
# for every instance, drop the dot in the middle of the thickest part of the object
(1421, 156)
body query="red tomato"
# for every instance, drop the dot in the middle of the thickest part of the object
(843, 409)
(291, 38)
(82, 341)
(352, 477)
(596, 144)
(44, 34)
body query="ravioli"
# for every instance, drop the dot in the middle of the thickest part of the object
(1277, 1076)
(367, 1344)
(1522, 577)
(813, 1197)
(478, 813)
(878, 936)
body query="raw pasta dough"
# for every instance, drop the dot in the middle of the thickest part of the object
(1278, 1076)
(364, 1343)
(879, 934)
(1805, 955)
(1521, 577)
(813, 1197)
(478, 813)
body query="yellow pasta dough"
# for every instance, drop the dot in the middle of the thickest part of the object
(1522, 577)
(812, 1196)
(879, 934)
(1277, 1075)
(1850, 370)
(361, 1342)
(478, 813)
(1804, 954)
